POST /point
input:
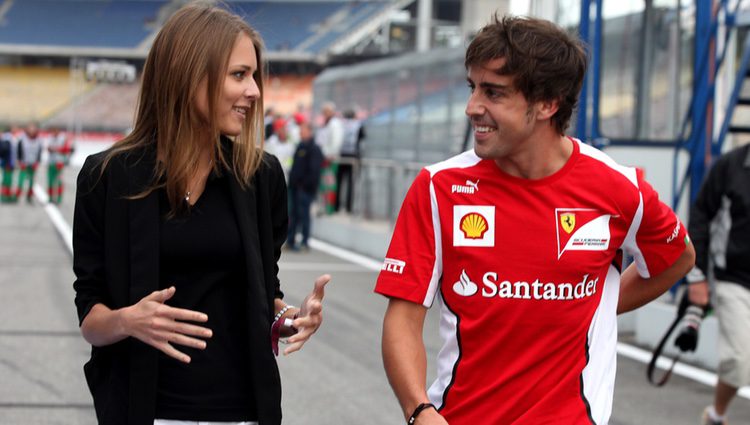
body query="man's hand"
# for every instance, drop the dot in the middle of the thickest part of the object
(698, 293)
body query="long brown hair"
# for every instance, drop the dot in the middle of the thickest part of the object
(194, 44)
(546, 63)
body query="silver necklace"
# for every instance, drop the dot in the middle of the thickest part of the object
(187, 193)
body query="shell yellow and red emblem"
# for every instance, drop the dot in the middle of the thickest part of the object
(473, 225)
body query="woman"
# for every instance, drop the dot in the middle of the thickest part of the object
(177, 233)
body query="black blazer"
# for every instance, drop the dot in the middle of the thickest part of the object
(116, 262)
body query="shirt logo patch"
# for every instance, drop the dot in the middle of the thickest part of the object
(465, 287)
(474, 225)
(393, 266)
(568, 222)
(581, 229)
(470, 187)
(676, 230)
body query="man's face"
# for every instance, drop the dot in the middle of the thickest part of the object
(501, 117)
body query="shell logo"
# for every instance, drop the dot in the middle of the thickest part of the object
(473, 225)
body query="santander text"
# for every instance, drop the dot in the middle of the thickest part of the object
(537, 290)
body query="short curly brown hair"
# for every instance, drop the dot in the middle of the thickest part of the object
(546, 62)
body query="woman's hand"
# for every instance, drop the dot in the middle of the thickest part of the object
(310, 316)
(156, 324)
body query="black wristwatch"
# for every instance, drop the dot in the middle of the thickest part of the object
(419, 410)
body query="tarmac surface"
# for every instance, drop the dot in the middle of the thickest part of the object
(337, 378)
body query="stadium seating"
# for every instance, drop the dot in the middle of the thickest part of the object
(33, 93)
(286, 92)
(306, 26)
(111, 107)
(113, 24)
(295, 26)
(107, 107)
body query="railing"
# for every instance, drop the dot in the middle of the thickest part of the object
(379, 186)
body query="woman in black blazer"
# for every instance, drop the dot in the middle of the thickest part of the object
(177, 234)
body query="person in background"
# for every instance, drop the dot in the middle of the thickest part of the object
(522, 249)
(60, 148)
(177, 235)
(30, 146)
(281, 145)
(8, 158)
(329, 138)
(304, 179)
(268, 118)
(720, 228)
(354, 133)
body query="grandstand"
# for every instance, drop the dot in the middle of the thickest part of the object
(293, 30)
(45, 43)
(33, 92)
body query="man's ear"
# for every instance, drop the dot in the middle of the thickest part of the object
(545, 109)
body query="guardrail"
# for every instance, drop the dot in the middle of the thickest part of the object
(379, 186)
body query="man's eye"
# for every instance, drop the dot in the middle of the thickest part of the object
(492, 94)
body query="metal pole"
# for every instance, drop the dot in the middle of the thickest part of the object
(424, 25)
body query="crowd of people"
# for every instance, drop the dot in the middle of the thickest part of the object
(319, 162)
(21, 155)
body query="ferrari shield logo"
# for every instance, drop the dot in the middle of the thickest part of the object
(568, 222)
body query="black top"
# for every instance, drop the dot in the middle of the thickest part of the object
(117, 263)
(201, 255)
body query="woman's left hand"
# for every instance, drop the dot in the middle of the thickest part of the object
(310, 316)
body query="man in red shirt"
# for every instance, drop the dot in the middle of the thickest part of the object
(521, 242)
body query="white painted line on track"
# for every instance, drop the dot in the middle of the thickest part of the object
(62, 226)
(626, 350)
(682, 369)
(333, 267)
(346, 255)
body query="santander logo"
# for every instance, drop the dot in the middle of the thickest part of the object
(465, 286)
(494, 286)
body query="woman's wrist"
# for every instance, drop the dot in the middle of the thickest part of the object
(121, 321)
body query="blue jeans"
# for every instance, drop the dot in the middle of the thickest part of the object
(299, 215)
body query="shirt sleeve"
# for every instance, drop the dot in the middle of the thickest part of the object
(88, 239)
(660, 238)
(412, 267)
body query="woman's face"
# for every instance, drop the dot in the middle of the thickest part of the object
(238, 92)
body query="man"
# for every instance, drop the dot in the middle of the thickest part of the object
(303, 185)
(329, 138)
(8, 158)
(60, 148)
(722, 206)
(281, 145)
(30, 148)
(354, 133)
(520, 240)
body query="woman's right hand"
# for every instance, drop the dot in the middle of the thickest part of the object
(159, 325)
